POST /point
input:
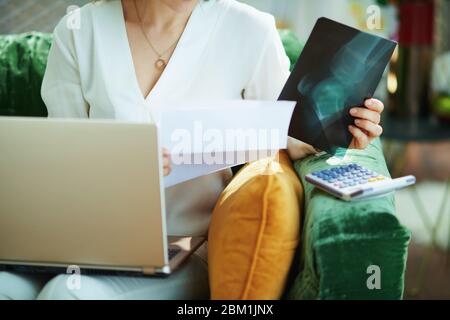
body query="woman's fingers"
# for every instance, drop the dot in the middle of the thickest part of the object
(367, 123)
(366, 114)
(166, 162)
(167, 171)
(165, 152)
(361, 140)
(372, 129)
(374, 105)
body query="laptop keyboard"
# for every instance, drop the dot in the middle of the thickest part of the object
(173, 252)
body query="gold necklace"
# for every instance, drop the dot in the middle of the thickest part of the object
(160, 63)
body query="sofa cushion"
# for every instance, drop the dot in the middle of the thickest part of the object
(254, 231)
(23, 59)
(341, 241)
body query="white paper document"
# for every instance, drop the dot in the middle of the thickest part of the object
(205, 137)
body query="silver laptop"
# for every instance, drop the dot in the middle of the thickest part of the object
(87, 194)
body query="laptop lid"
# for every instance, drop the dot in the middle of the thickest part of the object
(338, 69)
(81, 192)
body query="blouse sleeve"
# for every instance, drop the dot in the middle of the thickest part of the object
(270, 76)
(61, 87)
(272, 68)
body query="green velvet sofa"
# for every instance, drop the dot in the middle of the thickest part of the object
(340, 243)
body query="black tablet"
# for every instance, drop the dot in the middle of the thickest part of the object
(338, 69)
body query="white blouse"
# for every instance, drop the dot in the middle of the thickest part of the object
(227, 49)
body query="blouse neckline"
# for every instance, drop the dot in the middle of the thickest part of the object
(171, 65)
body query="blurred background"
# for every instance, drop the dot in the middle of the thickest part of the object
(415, 89)
(17, 16)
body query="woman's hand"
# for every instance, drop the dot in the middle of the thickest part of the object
(367, 123)
(166, 162)
(367, 127)
(298, 150)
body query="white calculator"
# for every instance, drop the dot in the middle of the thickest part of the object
(354, 182)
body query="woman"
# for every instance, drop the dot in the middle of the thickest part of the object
(129, 56)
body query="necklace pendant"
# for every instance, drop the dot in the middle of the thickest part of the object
(160, 64)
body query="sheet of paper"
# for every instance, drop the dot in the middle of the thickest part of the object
(206, 137)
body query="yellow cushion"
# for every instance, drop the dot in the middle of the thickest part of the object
(254, 231)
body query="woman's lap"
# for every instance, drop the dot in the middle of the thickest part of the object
(20, 286)
(189, 282)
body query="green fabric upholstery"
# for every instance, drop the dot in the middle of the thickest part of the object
(23, 59)
(291, 44)
(341, 240)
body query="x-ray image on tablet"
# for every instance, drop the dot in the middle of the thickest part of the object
(338, 69)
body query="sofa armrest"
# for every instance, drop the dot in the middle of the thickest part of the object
(341, 240)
